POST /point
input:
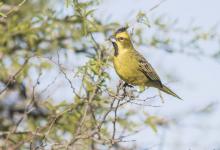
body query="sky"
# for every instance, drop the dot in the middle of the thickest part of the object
(205, 12)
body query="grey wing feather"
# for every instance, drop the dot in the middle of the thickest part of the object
(148, 70)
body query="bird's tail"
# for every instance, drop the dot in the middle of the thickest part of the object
(169, 91)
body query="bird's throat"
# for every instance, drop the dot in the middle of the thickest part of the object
(116, 49)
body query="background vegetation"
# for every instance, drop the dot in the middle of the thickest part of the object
(42, 51)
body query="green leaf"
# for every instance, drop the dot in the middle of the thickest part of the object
(45, 65)
(151, 122)
(3, 15)
(141, 89)
(1, 3)
(89, 12)
(142, 18)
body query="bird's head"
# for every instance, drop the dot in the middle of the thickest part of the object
(121, 38)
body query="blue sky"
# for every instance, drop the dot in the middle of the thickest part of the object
(205, 12)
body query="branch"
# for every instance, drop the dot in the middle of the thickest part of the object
(12, 78)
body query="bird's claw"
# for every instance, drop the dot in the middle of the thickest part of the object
(127, 85)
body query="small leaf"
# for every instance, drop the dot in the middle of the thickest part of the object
(151, 122)
(89, 12)
(3, 15)
(46, 65)
(142, 18)
(141, 89)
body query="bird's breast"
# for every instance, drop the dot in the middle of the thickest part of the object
(126, 66)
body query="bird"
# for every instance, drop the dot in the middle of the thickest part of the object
(131, 66)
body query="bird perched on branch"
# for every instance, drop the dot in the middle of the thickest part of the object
(131, 66)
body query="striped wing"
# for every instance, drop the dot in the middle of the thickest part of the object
(148, 70)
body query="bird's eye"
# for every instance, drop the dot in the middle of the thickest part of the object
(120, 38)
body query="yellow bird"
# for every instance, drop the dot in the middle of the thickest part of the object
(131, 66)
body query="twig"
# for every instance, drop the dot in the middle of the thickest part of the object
(157, 5)
(13, 77)
(15, 8)
(26, 111)
(115, 120)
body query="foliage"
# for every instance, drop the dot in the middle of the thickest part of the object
(36, 41)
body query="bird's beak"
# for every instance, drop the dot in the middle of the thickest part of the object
(112, 39)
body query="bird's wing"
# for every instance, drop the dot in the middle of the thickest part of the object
(148, 70)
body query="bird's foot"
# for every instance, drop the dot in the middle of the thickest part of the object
(127, 85)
